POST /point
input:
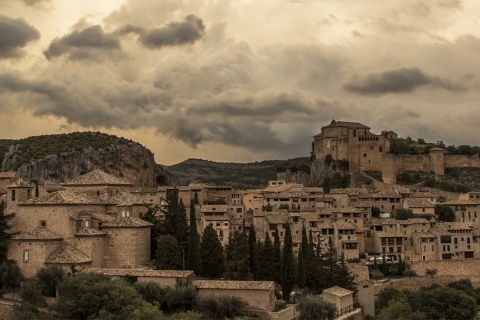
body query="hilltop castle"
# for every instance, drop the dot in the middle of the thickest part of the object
(366, 151)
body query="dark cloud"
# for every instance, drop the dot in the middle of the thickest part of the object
(79, 42)
(14, 35)
(35, 2)
(401, 80)
(173, 33)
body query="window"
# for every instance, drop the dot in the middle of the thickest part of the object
(26, 255)
(380, 149)
(42, 223)
(13, 195)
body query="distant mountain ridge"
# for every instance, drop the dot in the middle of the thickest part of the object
(240, 175)
(60, 157)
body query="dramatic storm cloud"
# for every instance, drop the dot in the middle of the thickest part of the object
(239, 80)
(397, 81)
(75, 43)
(14, 35)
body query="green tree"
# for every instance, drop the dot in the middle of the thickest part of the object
(277, 256)
(385, 295)
(431, 272)
(10, 275)
(253, 252)
(400, 309)
(445, 213)
(151, 215)
(287, 266)
(237, 268)
(5, 235)
(301, 273)
(96, 296)
(194, 261)
(375, 212)
(343, 277)
(404, 214)
(315, 308)
(211, 253)
(49, 278)
(169, 256)
(266, 264)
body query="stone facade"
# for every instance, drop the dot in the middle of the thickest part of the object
(352, 142)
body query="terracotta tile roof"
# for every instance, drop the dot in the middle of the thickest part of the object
(338, 291)
(454, 226)
(38, 234)
(358, 270)
(127, 222)
(278, 189)
(216, 218)
(325, 226)
(20, 184)
(462, 203)
(349, 191)
(283, 195)
(423, 194)
(424, 234)
(313, 190)
(419, 203)
(214, 208)
(102, 216)
(124, 198)
(309, 216)
(67, 254)
(345, 210)
(141, 272)
(233, 285)
(7, 174)
(418, 220)
(325, 199)
(277, 218)
(307, 209)
(345, 225)
(402, 190)
(348, 124)
(64, 197)
(361, 204)
(389, 234)
(89, 232)
(323, 210)
(382, 222)
(97, 177)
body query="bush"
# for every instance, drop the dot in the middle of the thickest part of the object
(315, 308)
(48, 278)
(220, 307)
(279, 305)
(190, 315)
(181, 298)
(10, 275)
(377, 275)
(431, 272)
(32, 293)
(29, 311)
(409, 273)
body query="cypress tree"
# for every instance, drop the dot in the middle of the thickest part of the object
(194, 261)
(252, 251)
(277, 257)
(237, 267)
(330, 263)
(266, 264)
(211, 253)
(5, 236)
(287, 268)
(181, 226)
(301, 276)
(169, 254)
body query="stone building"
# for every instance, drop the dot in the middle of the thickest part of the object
(92, 223)
(352, 142)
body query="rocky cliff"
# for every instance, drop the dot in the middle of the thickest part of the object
(119, 157)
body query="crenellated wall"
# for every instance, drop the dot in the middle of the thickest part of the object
(436, 161)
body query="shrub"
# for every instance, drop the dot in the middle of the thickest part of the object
(190, 315)
(48, 278)
(10, 275)
(181, 298)
(431, 272)
(409, 273)
(315, 308)
(220, 307)
(377, 275)
(279, 305)
(32, 293)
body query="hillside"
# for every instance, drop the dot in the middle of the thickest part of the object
(240, 175)
(60, 157)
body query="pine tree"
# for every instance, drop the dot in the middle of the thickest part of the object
(194, 261)
(237, 268)
(287, 267)
(252, 251)
(343, 277)
(277, 257)
(330, 263)
(211, 253)
(5, 236)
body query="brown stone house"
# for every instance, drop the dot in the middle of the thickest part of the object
(164, 278)
(259, 295)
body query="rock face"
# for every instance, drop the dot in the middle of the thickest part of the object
(298, 177)
(132, 161)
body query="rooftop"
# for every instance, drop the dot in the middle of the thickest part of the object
(234, 285)
(67, 254)
(64, 197)
(127, 222)
(338, 291)
(142, 272)
(38, 234)
(97, 177)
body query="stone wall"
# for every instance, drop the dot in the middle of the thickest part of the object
(120, 255)
(462, 161)
(7, 310)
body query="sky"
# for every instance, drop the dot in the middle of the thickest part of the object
(239, 80)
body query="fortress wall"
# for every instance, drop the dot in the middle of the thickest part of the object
(415, 163)
(462, 161)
